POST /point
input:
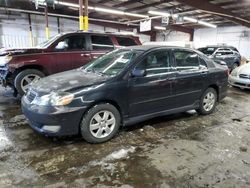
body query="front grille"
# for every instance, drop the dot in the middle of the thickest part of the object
(244, 76)
(3, 71)
(31, 95)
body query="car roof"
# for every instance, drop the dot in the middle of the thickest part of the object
(218, 46)
(151, 47)
(101, 33)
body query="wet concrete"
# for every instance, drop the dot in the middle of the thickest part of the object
(182, 150)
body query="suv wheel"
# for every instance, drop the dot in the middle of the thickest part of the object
(24, 78)
(208, 102)
(100, 123)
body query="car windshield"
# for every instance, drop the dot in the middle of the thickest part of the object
(48, 42)
(208, 50)
(112, 63)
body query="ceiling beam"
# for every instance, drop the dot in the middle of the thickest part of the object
(149, 5)
(103, 1)
(125, 3)
(206, 6)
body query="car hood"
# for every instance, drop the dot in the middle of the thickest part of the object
(18, 51)
(68, 81)
(243, 69)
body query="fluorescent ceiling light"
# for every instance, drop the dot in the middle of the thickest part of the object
(99, 9)
(159, 28)
(157, 13)
(71, 5)
(207, 24)
(135, 15)
(190, 19)
(199, 22)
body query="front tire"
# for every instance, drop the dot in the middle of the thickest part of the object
(208, 102)
(100, 123)
(24, 78)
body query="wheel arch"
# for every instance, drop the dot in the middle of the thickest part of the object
(216, 87)
(37, 67)
(102, 101)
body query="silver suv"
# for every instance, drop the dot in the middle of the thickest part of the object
(230, 55)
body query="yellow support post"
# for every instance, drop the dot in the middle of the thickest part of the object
(47, 33)
(86, 14)
(81, 22)
(86, 23)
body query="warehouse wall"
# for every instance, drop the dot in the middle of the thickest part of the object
(15, 32)
(172, 36)
(238, 37)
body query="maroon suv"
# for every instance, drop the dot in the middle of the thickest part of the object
(19, 67)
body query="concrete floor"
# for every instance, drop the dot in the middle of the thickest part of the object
(183, 150)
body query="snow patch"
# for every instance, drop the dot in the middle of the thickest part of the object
(122, 153)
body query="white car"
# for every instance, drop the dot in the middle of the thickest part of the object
(240, 77)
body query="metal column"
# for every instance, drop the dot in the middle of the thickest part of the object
(47, 23)
(30, 32)
(81, 15)
(86, 15)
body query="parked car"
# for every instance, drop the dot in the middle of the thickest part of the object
(124, 87)
(240, 77)
(19, 67)
(228, 54)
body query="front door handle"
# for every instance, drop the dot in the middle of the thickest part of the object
(85, 55)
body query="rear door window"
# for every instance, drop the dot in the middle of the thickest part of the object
(100, 42)
(186, 60)
(125, 41)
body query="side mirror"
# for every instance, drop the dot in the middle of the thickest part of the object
(138, 73)
(218, 54)
(61, 46)
(223, 63)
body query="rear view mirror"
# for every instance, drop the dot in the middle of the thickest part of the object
(138, 73)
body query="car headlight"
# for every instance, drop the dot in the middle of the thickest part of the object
(5, 59)
(54, 99)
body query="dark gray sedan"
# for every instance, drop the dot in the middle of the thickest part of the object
(123, 87)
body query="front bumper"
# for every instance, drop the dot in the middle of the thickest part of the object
(3, 75)
(239, 82)
(53, 121)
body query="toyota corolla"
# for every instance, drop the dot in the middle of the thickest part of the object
(124, 87)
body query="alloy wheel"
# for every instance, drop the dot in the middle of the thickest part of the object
(102, 124)
(28, 80)
(209, 101)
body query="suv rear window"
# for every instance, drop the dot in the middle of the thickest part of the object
(101, 42)
(124, 41)
(208, 50)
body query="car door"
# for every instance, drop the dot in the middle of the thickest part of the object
(152, 93)
(190, 78)
(100, 45)
(71, 52)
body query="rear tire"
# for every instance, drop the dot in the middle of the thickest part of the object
(24, 78)
(208, 102)
(100, 123)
